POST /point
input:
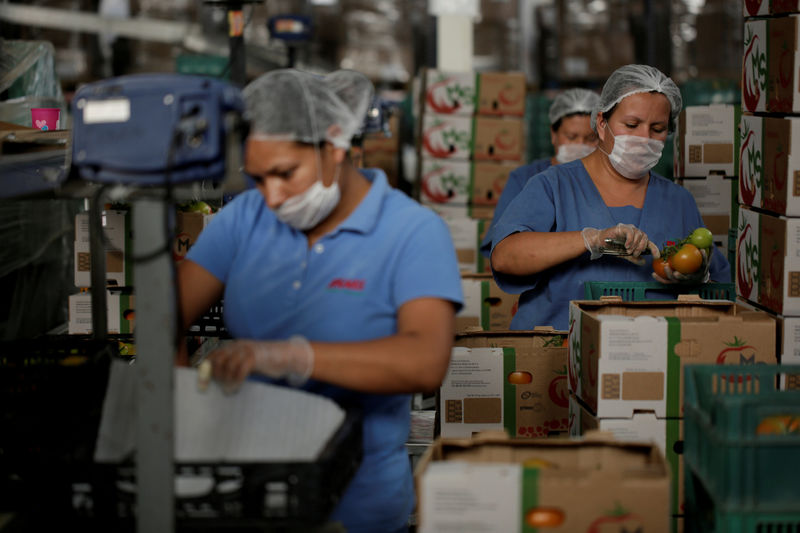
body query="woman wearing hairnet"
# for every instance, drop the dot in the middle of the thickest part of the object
(573, 138)
(550, 239)
(331, 279)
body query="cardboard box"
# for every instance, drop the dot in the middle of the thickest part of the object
(628, 356)
(467, 234)
(506, 380)
(187, 228)
(447, 137)
(445, 182)
(757, 8)
(771, 65)
(477, 212)
(486, 307)
(665, 433)
(586, 53)
(450, 93)
(118, 246)
(498, 139)
(706, 141)
(787, 334)
(389, 162)
(501, 93)
(483, 484)
(488, 181)
(770, 155)
(768, 261)
(384, 142)
(121, 313)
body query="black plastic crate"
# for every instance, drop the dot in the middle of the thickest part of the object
(211, 323)
(274, 495)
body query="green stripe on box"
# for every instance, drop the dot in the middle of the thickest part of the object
(486, 308)
(481, 259)
(471, 184)
(127, 263)
(673, 367)
(509, 392)
(530, 496)
(673, 435)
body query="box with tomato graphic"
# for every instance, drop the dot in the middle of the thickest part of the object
(628, 356)
(465, 233)
(769, 176)
(488, 181)
(445, 182)
(188, 226)
(498, 139)
(501, 93)
(758, 8)
(447, 137)
(493, 483)
(771, 65)
(486, 307)
(506, 380)
(706, 141)
(666, 433)
(768, 261)
(450, 93)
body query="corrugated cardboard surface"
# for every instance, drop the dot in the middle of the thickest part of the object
(498, 139)
(582, 481)
(501, 93)
(486, 307)
(536, 406)
(651, 342)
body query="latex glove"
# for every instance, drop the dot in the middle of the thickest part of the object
(636, 241)
(696, 278)
(292, 359)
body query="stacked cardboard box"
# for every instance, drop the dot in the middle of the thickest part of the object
(706, 163)
(382, 150)
(626, 360)
(506, 380)
(493, 483)
(472, 137)
(767, 245)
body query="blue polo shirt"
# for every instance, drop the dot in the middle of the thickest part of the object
(346, 287)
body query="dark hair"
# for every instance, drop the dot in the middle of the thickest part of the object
(557, 124)
(670, 125)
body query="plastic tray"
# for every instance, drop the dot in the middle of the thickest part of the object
(742, 436)
(636, 291)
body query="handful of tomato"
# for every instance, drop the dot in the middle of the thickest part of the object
(686, 256)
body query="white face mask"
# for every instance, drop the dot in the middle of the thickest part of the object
(311, 207)
(634, 156)
(571, 152)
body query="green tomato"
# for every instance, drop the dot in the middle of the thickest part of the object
(702, 238)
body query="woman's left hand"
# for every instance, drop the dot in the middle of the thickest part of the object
(700, 276)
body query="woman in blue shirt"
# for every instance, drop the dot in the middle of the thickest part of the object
(572, 137)
(332, 280)
(550, 239)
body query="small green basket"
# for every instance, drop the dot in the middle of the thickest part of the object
(636, 291)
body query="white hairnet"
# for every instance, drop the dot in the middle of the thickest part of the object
(633, 79)
(292, 105)
(573, 101)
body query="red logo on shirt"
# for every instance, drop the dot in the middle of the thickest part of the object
(346, 284)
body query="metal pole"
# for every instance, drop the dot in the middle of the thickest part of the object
(155, 357)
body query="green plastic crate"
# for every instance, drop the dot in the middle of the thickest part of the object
(636, 291)
(742, 436)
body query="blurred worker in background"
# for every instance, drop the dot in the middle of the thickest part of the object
(552, 237)
(573, 138)
(332, 280)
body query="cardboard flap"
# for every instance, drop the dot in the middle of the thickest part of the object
(611, 298)
(689, 298)
(597, 435)
(548, 329)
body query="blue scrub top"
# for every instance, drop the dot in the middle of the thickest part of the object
(347, 287)
(564, 198)
(516, 181)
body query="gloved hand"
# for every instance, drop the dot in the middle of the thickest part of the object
(292, 359)
(702, 274)
(636, 242)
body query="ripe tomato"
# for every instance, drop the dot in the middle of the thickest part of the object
(702, 238)
(687, 260)
(658, 266)
(544, 517)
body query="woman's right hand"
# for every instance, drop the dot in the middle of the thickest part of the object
(636, 241)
